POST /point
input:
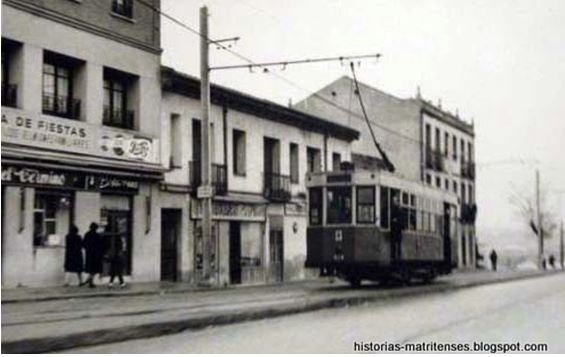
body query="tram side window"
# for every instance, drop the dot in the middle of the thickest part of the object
(365, 205)
(315, 206)
(339, 205)
(385, 207)
(412, 216)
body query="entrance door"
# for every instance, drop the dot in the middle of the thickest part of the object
(276, 254)
(170, 235)
(117, 227)
(235, 252)
(447, 233)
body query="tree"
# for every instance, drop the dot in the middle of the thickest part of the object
(527, 210)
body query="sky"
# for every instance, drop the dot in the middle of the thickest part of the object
(500, 63)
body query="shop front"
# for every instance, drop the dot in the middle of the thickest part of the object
(238, 246)
(39, 206)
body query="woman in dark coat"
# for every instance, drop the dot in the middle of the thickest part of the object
(94, 248)
(73, 253)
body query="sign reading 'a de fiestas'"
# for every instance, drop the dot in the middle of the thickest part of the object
(19, 127)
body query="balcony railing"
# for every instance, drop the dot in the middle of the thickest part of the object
(118, 118)
(434, 160)
(468, 169)
(468, 213)
(277, 187)
(9, 95)
(61, 106)
(124, 8)
(219, 177)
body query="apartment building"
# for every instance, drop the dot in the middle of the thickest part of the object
(423, 141)
(261, 152)
(81, 95)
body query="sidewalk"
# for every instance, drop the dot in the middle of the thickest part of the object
(44, 320)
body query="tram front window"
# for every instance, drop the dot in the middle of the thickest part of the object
(339, 205)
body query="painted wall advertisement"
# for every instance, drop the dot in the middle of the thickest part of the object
(49, 132)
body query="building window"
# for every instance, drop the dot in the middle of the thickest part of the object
(446, 145)
(9, 90)
(470, 187)
(455, 186)
(462, 150)
(116, 111)
(428, 179)
(446, 183)
(51, 217)
(428, 136)
(239, 155)
(463, 194)
(176, 142)
(315, 201)
(470, 151)
(294, 167)
(314, 159)
(336, 161)
(366, 204)
(58, 87)
(454, 147)
(339, 205)
(123, 7)
(438, 141)
(438, 181)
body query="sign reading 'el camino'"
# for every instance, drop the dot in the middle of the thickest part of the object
(75, 136)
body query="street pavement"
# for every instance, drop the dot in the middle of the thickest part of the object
(525, 311)
(36, 320)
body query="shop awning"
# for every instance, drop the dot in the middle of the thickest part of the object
(17, 155)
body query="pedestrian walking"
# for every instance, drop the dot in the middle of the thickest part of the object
(117, 261)
(94, 249)
(493, 259)
(552, 261)
(73, 255)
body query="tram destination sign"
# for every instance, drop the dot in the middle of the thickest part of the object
(20, 175)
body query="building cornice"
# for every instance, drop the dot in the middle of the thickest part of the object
(80, 25)
(446, 117)
(183, 84)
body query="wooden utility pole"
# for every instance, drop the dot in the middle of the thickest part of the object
(539, 224)
(205, 190)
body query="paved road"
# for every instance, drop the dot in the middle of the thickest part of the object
(526, 311)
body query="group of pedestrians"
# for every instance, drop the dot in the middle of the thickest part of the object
(95, 249)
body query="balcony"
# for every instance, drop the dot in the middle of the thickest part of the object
(434, 160)
(118, 118)
(468, 213)
(123, 8)
(219, 177)
(61, 106)
(277, 187)
(468, 169)
(9, 95)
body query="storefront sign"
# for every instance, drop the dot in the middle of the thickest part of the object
(66, 179)
(231, 211)
(19, 127)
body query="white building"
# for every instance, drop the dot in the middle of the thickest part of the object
(261, 153)
(81, 98)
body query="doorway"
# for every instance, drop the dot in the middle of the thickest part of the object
(276, 249)
(170, 237)
(117, 235)
(235, 252)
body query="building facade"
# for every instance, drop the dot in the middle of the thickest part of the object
(424, 142)
(81, 96)
(260, 153)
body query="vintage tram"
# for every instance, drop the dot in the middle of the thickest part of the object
(377, 226)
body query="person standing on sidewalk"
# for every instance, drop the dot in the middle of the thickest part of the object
(117, 260)
(73, 254)
(94, 248)
(493, 259)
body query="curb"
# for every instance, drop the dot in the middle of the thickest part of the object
(120, 334)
